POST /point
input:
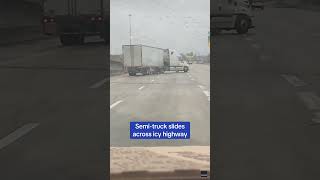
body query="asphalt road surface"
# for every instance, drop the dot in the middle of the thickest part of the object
(163, 97)
(266, 98)
(53, 119)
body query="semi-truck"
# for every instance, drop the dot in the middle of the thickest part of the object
(150, 60)
(172, 62)
(73, 20)
(231, 15)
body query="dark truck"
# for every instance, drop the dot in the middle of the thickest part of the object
(73, 20)
(231, 15)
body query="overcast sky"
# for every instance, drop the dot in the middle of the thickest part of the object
(182, 25)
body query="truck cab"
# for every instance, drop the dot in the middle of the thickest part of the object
(73, 20)
(231, 15)
(174, 64)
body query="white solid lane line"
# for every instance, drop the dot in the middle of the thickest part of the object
(115, 104)
(141, 87)
(294, 80)
(98, 84)
(17, 134)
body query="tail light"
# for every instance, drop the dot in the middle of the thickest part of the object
(98, 18)
(48, 19)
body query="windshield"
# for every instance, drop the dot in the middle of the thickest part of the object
(159, 104)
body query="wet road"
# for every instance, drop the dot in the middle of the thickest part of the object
(165, 97)
(53, 123)
(266, 92)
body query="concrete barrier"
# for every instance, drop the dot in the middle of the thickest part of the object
(116, 68)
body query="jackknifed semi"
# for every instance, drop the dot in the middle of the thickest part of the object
(151, 60)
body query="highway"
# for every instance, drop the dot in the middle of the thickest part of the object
(266, 102)
(163, 97)
(266, 98)
(53, 119)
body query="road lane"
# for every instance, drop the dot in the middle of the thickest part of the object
(201, 73)
(169, 97)
(50, 87)
(262, 128)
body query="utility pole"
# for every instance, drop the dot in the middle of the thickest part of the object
(131, 50)
(130, 27)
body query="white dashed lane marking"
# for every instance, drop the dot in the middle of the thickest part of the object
(310, 99)
(98, 84)
(316, 117)
(140, 88)
(205, 92)
(17, 134)
(115, 104)
(294, 80)
(312, 102)
(201, 87)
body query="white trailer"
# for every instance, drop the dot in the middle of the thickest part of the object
(72, 20)
(143, 59)
(231, 14)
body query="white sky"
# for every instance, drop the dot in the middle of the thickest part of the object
(182, 25)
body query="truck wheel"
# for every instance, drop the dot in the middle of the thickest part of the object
(242, 24)
(185, 69)
(144, 72)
